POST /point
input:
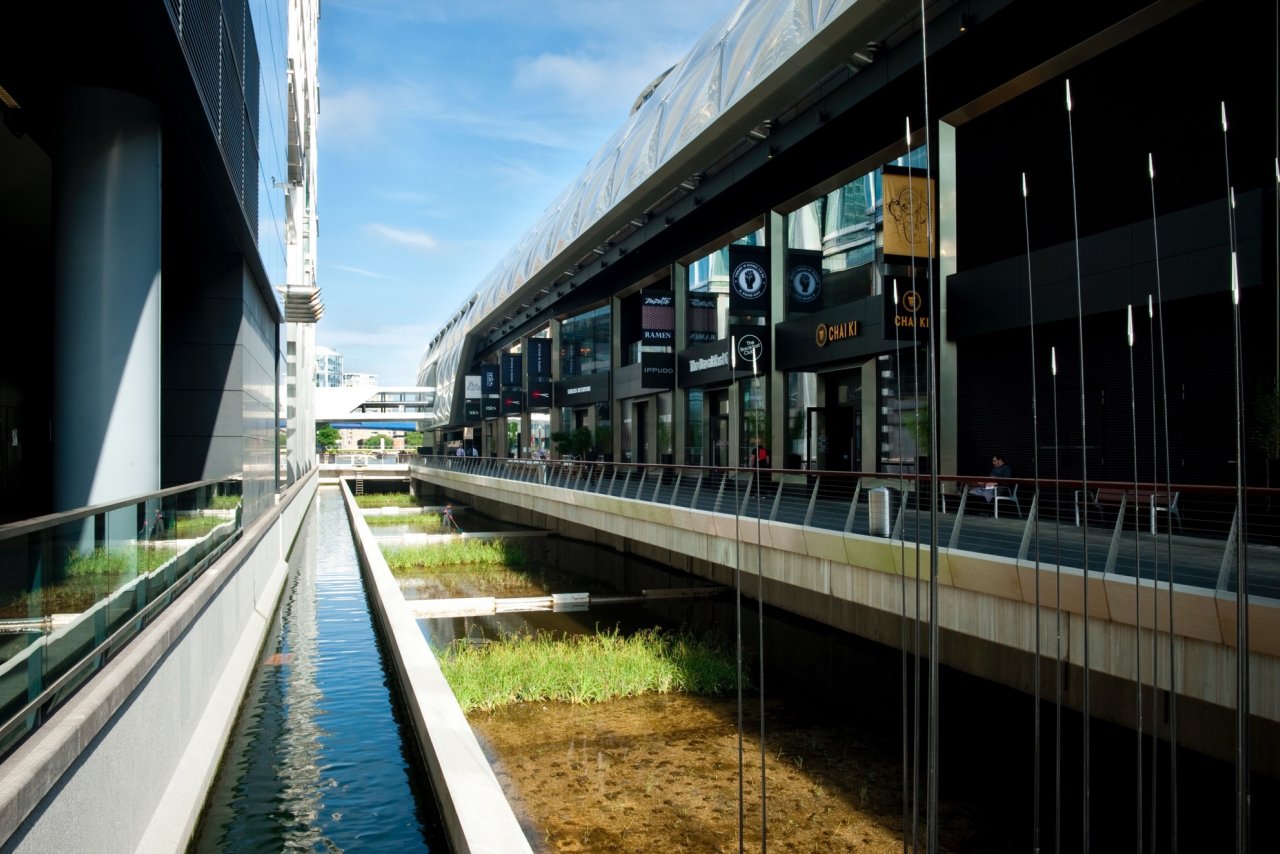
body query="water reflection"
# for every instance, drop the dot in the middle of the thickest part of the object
(319, 758)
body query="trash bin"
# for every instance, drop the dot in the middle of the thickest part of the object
(882, 503)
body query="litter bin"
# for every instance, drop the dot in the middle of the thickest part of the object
(882, 503)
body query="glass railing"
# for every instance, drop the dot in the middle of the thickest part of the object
(1190, 533)
(75, 587)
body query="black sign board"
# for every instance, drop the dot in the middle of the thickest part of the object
(658, 371)
(539, 350)
(511, 370)
(489, 408)
(579, 391)
(804, 280)
(489, 380)
(748, 279)
(512, 401)
(701, 319)
(471, 411)
(658, 317)
(540, 394)
(909, 313)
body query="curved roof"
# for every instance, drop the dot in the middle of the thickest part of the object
(728, 61)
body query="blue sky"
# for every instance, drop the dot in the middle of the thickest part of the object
(446, 128)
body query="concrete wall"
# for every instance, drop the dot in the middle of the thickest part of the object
(476, 814)
(125, 764)
(987, 605)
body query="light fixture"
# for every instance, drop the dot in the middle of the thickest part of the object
(761, 131)
(966, 22)
(864, 56)
(691, 183)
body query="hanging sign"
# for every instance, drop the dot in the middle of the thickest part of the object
(748, 279)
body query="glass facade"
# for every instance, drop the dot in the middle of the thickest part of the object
(584, 343)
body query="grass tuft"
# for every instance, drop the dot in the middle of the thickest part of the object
(584, 669)
(428, 523)
(498, 552)
(387, 499)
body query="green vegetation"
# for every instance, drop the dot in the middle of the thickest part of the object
(194, 527)
(387, 499)
(224, 502)
(584, 668)
(101, 562)
(327, 437)
(404, 559)
(376, 442)
(429, 523)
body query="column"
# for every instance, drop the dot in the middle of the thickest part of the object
(107, 173)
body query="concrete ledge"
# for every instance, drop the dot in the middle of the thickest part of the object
(475, 811)
(987, 598)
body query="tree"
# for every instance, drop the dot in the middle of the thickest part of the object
(327, 438)
(377, 440)
(564, 442)
(413, 439)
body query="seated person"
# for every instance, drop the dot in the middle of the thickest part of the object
(999, 468)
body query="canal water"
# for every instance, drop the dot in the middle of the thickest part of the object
(321, 758)
(665, 773)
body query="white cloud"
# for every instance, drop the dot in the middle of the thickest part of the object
(359, 272)
(410, 237)
(351, 117)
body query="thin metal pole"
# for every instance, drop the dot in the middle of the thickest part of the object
(934, 639)
(1084, 465)
(1057, 608)
(1137, 586)
(1242, 558)
(1035, 442)
(737, 588)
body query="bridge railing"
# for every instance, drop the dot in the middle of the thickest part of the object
(76, 587)
(1194, 534)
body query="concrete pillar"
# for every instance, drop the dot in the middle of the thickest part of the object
(680, 396)
(106, 425)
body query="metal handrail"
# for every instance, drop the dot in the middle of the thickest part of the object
(1050, 521)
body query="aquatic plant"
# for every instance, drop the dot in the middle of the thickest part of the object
(584, 668)
(425, 522)
(387, 499)
(496, 552)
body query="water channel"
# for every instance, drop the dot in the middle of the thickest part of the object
(320, 760)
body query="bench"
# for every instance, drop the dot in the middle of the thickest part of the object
(1107, 500)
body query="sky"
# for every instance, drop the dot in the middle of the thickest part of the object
(446, 128)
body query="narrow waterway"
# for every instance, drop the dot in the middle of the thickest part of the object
(320, 758)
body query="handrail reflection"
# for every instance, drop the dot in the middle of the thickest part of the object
(75, 587)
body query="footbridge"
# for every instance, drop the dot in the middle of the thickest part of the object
(1048, 575)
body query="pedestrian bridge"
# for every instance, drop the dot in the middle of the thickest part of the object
(1075, 585)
